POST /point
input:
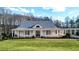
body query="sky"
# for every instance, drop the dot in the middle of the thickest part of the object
(57, 9)
(46, 12)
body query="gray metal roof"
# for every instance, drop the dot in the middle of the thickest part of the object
(43, 24)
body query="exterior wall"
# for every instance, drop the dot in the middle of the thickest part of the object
(60, 32)
(71, 31)
(22, 34)
(53, 32)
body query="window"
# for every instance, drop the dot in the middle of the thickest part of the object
(56, 31)
(31, 31)
(37, 26)
(48, 32)
(27, 32)
(72, 31)
(67, 31)
(43, 31)
(21, 32)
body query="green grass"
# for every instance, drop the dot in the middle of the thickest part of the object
(39, 45)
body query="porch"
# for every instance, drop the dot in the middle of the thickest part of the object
(71, 31)
(37, 32)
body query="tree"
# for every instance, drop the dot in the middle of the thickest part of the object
(46, 18)
(57, 23)
(3, 20)
(71, 23)
(6, 21)
(77, 21)
(67, 21)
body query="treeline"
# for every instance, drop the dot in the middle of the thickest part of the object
(9, 21)
(68, 22)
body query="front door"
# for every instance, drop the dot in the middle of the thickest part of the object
(37, 33)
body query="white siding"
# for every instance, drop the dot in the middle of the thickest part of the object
(21, 33)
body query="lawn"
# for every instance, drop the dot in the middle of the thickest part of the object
(39, 45)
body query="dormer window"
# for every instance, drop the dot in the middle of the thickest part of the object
(37, 26)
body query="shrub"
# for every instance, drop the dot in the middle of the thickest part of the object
(42, 36)
(10, 35)
(67, 35)
(4, 36)
(33, 36)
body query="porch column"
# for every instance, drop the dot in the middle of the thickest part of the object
(75, 32)
(51, 32)
(12, 33)
(24, 33)
(57, 32)
(65, 31)
(19, 33)
(41, 33)
(34, 32)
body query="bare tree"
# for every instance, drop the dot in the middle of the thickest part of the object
(67, 21)
(57, 23)
(71, 23)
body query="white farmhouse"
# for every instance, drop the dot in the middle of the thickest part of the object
(37, 28)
